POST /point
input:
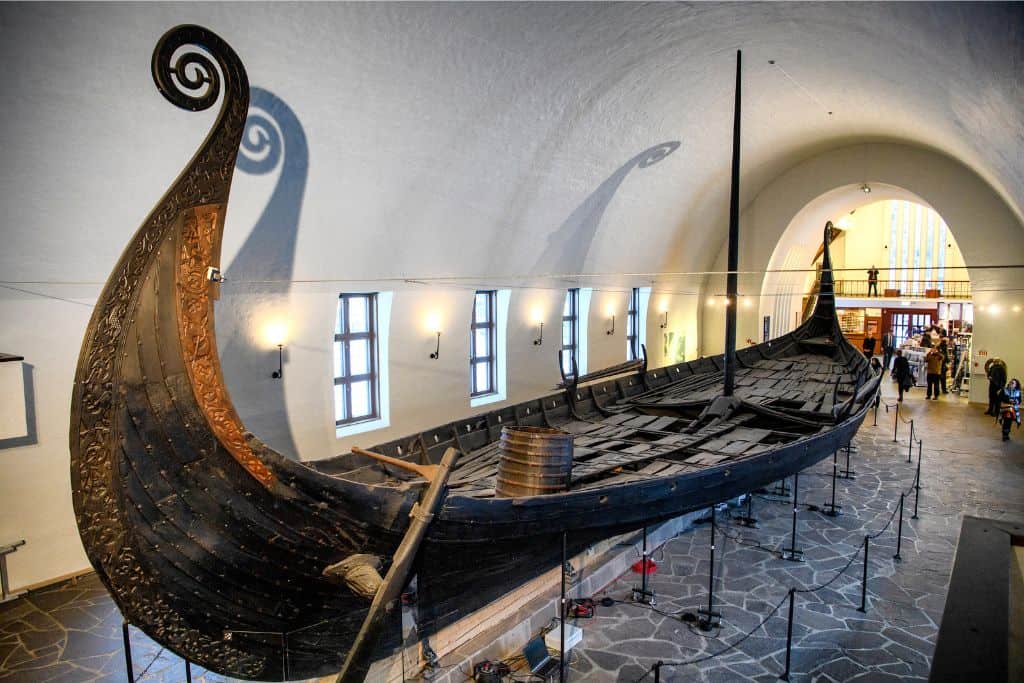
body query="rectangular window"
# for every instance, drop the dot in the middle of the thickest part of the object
(356, 380)
(483, 344)
(633, 326)
(570, 331)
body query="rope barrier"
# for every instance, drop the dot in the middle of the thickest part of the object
(792, 591)
(704, 658)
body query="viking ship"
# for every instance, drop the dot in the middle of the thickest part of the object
(229, 554)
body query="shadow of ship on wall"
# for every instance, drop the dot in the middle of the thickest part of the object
(259, 277)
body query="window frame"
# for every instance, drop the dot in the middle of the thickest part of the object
(633, 325)
(573, 318)
(345, 337)
(489, 323)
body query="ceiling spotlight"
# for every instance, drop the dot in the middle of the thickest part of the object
(865, 188)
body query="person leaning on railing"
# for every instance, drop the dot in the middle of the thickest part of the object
(873, 280)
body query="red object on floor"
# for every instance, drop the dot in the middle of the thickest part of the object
(639, 569)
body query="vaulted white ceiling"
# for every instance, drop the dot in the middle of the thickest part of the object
(480, 139)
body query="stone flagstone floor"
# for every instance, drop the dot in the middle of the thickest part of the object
(966, 469)
(72, 631)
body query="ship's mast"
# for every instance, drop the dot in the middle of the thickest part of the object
(734, 228)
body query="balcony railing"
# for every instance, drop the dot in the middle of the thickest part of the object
(928, 289)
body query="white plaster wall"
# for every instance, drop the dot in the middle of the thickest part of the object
(988, 232)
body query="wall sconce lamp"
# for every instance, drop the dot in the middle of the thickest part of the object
(279, 373)
(664, 323)
(437, 352)
(540, 339)
(611, 331)
(275, 333)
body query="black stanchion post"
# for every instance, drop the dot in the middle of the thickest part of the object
(643, 567)
(910, 446)
(791, 553)
(643, 594)
(896, 423)
(657, 670)
(188, 671)
(917, 480)
(899, 531)
(748, 519)
(831, 509)
(864, 580)
(710, 615)
(561, 613)
(875, 424)
(127, 652)
(789, 635)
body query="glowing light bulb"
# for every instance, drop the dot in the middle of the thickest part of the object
(1016, 309)
(711, 301)
(747, 303)
(434, 322)
(993, 309)
(537, 315)
(275, 332)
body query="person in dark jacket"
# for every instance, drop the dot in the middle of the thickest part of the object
(888, 346)
(995, 368)
(869, 345)
(901, 370)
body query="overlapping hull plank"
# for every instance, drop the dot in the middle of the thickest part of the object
(216, 546)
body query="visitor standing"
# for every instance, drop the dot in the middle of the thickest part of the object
(995, 370)
(888, 346)
(944, 350)
(934, 362)
(1009, 410)
(901, 369)
(872, 280)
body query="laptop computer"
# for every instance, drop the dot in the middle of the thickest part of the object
(540, 662)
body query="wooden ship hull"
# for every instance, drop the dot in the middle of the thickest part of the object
(216, 546)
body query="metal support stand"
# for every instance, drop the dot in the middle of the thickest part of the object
(5, 589)
(657, 670)
(791, 553)
(917, 480)
(831, 509)
(789, 635)
(748, 520)
(643, 594)
(864, 580)
(561, 613)
(848, 473)
(188, 671)
(127, 652)
(711, 617)
(899, 532)
(875, 423)
(781, 488)
(896, 423)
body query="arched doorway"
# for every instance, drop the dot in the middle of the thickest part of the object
(921, 277)
(990, 232)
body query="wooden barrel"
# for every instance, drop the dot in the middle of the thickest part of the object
(534, 461)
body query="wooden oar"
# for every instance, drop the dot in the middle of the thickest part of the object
(358, 661)
(428, 472)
